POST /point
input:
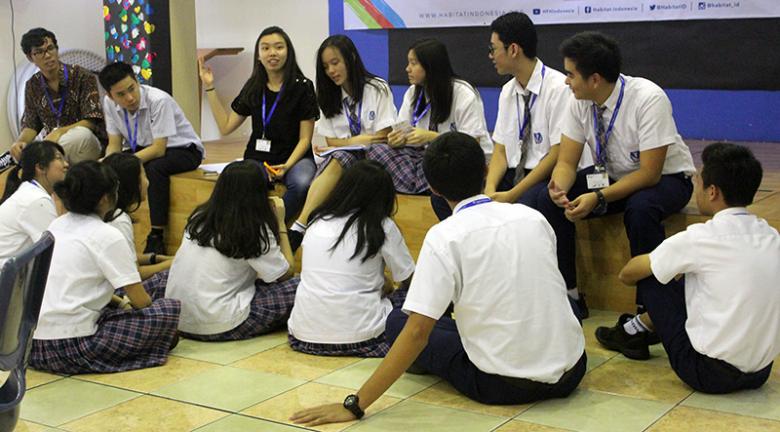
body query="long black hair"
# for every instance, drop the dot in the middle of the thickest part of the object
(366, 195)
(128, 170)
(35, 154)
(328, 93)
(237, 218)
(85, 185)
(256, 84)
(439, 78)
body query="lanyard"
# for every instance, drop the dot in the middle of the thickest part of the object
(354, 127)
(39, 185)
(416, 118)
(132, 138)
(601, 147)
(527, 116)
(63, 93)
(267, 119)
(474, 203)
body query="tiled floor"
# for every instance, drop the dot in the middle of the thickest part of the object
(256, 385)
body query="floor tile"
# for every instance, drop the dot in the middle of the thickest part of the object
(355, 375)
(415, 416)
(67, 399)
(36, 378)
(685, 419)
(310, 395)
(443, 394)
(763, 402)
(637, 379)
(148, 380)
(589, 411)
(282, 360)
(227, 352)
(238, 423)
(521, 426)
(25, 426)
(595, 358)
(228, 388)
(589, 326)
(146, 413)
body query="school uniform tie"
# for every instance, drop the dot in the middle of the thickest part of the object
(526, 140)
(353, 116)
(601, 131)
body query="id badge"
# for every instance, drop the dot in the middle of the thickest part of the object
(263, 145)
(598, 180)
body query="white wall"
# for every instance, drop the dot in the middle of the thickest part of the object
(237, 23)
(77, 24)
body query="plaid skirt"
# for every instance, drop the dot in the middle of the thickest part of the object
(375, 347)
(269, 311)
(404, 165)
(345, 158)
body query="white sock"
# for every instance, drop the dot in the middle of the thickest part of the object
(300, 227)
(574, 293)
(634, 326)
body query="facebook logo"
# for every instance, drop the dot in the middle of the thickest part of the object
(702, 5)
(537, 11)
(588, 9)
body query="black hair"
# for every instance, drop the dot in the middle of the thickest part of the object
(594, 52)
(36, 37)
(128, 170)
(734, 170)
(454, 165)
(256, 84)
(328, 93)
(439, 78)
(516, 27)
(85, 185)
(36, 153)
(114, 73)
(366, 196)
(237, 218)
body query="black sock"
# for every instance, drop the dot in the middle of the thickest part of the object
(158, 232)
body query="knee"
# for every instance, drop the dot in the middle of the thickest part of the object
(640, 207)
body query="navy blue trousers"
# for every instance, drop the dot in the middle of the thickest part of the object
(445, 357)
(643, 212)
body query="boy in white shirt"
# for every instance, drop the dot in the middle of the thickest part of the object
(501, 350)
(720, 325)
(642, 166)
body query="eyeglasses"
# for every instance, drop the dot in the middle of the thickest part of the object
(51, 49)
(492, 48)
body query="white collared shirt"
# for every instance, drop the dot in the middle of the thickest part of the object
(24, 216)
(124, 224)
(644, 122)
(467, 114)
(497, 263)
(339, 299)
(159, 116)
(732, 268)
(90, 260)
(551, 101)
(216, 292)
(377, 113)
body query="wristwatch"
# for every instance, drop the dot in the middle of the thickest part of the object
(351, 403)
(601, 207)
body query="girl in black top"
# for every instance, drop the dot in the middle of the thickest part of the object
(283, 107)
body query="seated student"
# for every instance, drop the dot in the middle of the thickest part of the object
(132, 192)
(232, 271)
(283, 107)
(60, 99)
(720, 324)
(27, 207)
(496, 262)
(78, 331)
(339, 306)
(148, 122)
(642, 166)
(356, 109)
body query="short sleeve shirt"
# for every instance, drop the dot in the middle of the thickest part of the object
(24, 216)
(377, 112)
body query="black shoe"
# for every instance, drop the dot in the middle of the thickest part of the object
(296, 238)
(155, 243)
(174, 342)
(583, 306)
(6, 161)
(615, 338)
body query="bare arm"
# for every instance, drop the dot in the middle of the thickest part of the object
(496, 168)
(139, 299)
(362, 139)
(154, 151)
(114, 144)
(636, 269)
(24, 138)
(226, 122)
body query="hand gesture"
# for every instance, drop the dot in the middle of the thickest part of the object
(323, 414)
(206, 75)
(558, 196)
